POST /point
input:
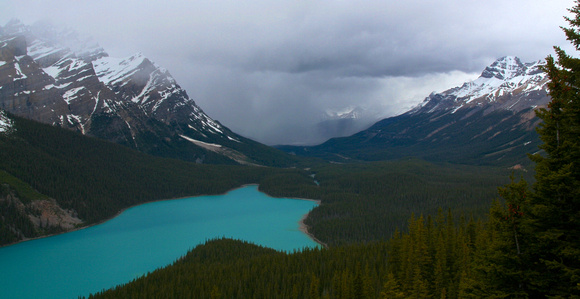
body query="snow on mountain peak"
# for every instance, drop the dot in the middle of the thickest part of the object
(76, 85)
(344, 113)
(503, 76)
(505, 80)
(505, 68)
(45, 39)
(112, 71)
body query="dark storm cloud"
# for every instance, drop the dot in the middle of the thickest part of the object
(286, 63)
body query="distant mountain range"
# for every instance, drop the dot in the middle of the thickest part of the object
(344, 122)
(60, 78)
(53, 180)
(490, 120)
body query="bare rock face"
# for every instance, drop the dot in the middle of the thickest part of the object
(63, 79)
(16, 46)
(24, 88)
(47, 214)
(21, 220)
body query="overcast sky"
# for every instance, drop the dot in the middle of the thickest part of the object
(270, 69)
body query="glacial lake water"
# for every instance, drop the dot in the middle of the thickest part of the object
(144, 238)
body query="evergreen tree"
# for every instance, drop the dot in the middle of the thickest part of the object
(314, 291)
(502, 264)
(391, 288)
(535, 250)
(554, 214)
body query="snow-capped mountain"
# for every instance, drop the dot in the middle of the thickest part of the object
(489, 120)
(507, 84)
(61, 78)
(344, 122)
(347, 112)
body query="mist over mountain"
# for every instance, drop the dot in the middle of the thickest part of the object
(490, 120)
(57, 77)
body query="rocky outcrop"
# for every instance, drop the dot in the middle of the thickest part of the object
(22, 220)
(47, 214)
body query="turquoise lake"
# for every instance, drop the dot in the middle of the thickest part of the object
(144, 238)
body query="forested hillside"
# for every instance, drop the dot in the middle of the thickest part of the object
(391, 229)
(528, 247)
(367, 202)
(436, 257)
(91, 180)
(82, 180)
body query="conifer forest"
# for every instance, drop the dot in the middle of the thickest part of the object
(405, 228)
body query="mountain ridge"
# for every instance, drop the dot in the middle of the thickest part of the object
(506, 77)
(130, 101)
(489, 120)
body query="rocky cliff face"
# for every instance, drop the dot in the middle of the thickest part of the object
(57, 77)
(24, 219)
(24, 88)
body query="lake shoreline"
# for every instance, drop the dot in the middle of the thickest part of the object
(302, 227)
(148, 237)
(119, 213)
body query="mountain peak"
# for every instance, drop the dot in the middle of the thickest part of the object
(505, 68)
(15, 26)
(44, 38)
(58, 76)
(502, 85)
(349, 112)
(488, 120)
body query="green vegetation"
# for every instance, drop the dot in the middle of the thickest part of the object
(538, 230)
(528, 246)
(22, 190)
(368, 202)
(97, 179)
(361, 202)
(14, 224)
(429, 136)
(161, 140)
(434, 258)
(234, 269)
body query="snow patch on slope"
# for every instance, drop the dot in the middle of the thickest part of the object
(505, 79)
(19, 73)
(112, 71)
(209, 146)
(502, 77)
(6, 124)
(217, 148)
(39, 50)
(71, 94)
